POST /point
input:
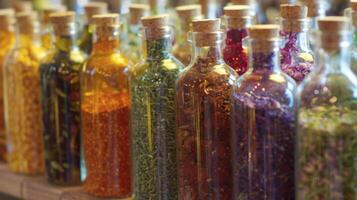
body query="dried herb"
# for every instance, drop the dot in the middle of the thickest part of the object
(235, 55)
(295, 62)
(327, 149)
(263, 138)
(203, 129)
(105, 122)
(153, 123)
(61, 112)
(22, 107)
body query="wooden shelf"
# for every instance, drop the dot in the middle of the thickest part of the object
(36, 188)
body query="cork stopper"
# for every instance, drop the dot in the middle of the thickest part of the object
(238, 16)
(106, 24)
(206, 25)
(63, 22)
(243, 2)
(234, 11)
(263, 37)
(22, 6)
(330, 31)
(189, 12)
(26, 22)
(95, 8)
(7, 19)
(293, 12)
(47, 11)
(137, 11)
(353, 5)
(156, 27)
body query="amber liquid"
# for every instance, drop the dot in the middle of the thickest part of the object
(106, 138)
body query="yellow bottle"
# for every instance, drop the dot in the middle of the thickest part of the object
(22, 99)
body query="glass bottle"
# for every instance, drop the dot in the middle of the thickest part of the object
(7, 42)
(134, 52)
(263, 121)
(237, 21)
(153, 114)
(203, 118)
(22, 6)
(327, 123)
(60, 88)
(182, 48)
(316, 9)
(105, 112)
(297, 59)
(23, 114)
(91, 9)
(46, 30)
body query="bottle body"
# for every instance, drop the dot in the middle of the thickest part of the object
(60, 87)
(22, 107)
(263, 121)
(153, 123)
(183, 52)
(203, 128)
(134, 50)
(105, 111)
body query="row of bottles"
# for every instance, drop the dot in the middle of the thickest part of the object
(215, 129)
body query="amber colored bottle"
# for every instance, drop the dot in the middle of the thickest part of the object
(203, 118)
(105, 112)
(24, 126)
(7, 42)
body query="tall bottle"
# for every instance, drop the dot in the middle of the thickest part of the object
(182, 48)
(91, 9)
(203, 118)
(105, 108)
(237, 21)
(46, 30)
(296, 56)
(23, 114)
(153, 114)
(327, 123)
(263, 121)
(134, 52)
(60, 88)
(7, 42)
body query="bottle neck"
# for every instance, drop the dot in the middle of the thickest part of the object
(106, 42)
(157, 49)
(296, 41)
(236, 36)
(210, 54)
(26, 39)
(65, 43)
(337, 61)
(264, 57)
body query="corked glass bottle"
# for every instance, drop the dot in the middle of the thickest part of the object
(7, 42)
(297, 59)
(134, 50)
(105, 108)
(23, 114)
(46, 29)
(263, 121)
(327, 122)
(182, 48)
(203, 118)
(153, 114)
(60, 88)
(91, 9)
(237, 21)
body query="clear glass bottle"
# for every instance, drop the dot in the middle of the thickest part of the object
(182, 48)
(105, 112)
(134, 52)
(153, 114)
(316, 9)
(263, 122)
(7, 42)
(91, 9)
(46, 30)
(237, 20)
(23, 114)
(203, 118)
(60, 87)
(327, 122)
(297, 59)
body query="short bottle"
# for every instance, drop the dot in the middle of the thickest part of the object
(153, 114)
(237, 20)
(60, 93)
(7, 42)
(91, 9)
(327, 123)
(203, 118)
(263, 121)
(182, 49)
(23, 114)
(297, 59)
(105, 108)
